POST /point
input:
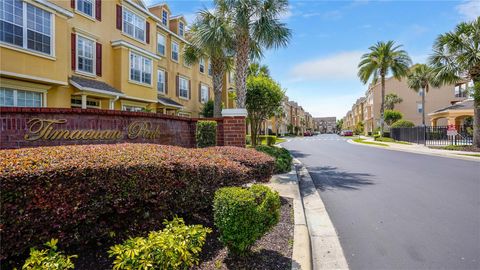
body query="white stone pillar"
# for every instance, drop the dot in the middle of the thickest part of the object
(111, 104)
(84, 101)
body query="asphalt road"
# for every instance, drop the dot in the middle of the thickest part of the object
(396, 210)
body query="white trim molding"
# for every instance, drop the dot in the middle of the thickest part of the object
(33, 78)
(56, 8)
(234, 112)
(123, 43)
(79, 87)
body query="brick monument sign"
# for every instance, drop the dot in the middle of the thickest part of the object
(31, 127)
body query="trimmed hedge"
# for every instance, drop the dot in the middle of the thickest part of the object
(206, 133)
(403, 124)
(263, 139)
(82, 193)
(261, 166)
(244, 215)
(283, 159)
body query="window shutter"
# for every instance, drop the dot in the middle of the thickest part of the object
(99, 59)
(200, 92)
(119, 17)
(72, 3)
(73, 48)
(147, 32)
(166, 83)
(98, 10)
(178, 86)
(189, 89)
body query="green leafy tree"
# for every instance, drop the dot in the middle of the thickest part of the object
(383, 59)
(339, 124)
(211, 36)
(359, 128)
(392, 99)
(392, 116)
(208, 108)
(456, 55)
(421, 78)
(264, 97)
(257, 27)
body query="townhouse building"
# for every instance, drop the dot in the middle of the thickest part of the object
(118, 54)
(326, 124)
(367, 109)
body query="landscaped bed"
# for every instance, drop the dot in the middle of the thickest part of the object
(466, 148)
(272, 251)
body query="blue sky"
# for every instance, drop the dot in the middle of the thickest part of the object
(318, 68)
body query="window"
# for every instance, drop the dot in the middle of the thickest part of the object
(161, 44)
(85, 54)
(419, 107)
(133, 25)
(203, 93)
(461, 90)
(202, 65)
(129, 108)
(175, 49)
(91, 103)
(420, 92)
(209, 67)
(164, 17)
(183, 88)
(26, 26)
(181, 29)
(19, 98)
(140, 69)
(161, 81)
(86, 7)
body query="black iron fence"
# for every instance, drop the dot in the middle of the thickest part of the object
(439, 135)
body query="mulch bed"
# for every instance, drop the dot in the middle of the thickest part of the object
(459, 149)
(273, 251)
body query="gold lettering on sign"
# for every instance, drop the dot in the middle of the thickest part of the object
(44, 129)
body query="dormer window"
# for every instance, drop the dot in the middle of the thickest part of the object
(181, 29)
(164, 17)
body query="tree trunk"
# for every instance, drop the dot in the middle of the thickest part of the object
(382, 106)
(241, 67)
(253, 135)
(476, 112)
(425, 91)
(218, 70)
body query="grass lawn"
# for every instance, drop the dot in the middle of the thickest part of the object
(470, 155)
(390, 140)
(280, 140)
(360, 140)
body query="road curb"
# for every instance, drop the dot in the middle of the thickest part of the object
(327, 253)
(446, 155)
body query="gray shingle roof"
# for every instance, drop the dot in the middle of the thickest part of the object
(169, 102)
(94, 84)
(463, 105)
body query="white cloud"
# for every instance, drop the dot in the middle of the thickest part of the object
(470, 9)
(337, 66)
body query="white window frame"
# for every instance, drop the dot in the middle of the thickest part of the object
(15, 97)
(180, 89)
(94, 54)
(88, 106)
(419, 107)
(25, 29)
(173, 51)
(164, 44)
(81, 11)
(161, 71)
(135, 108)
(164, 18)
(201, 65)
(181, 28)
(204, 96)
(209, 68)
(142, 67)
(134, 17)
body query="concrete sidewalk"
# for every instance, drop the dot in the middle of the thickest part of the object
(316, 245)
(422, 149)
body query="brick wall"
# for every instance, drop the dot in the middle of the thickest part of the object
(172, 130)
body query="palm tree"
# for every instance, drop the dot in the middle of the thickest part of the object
(456, 56)
(392, 99)
(257, 27)
(384, 58)
(255, 69)
(212, 36)
(422, 77)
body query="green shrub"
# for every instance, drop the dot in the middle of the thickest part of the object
(383, 139)
(402, 124)
(175, 247)
(48, 259)
(283, 159)
(392, 116)
(376, 136)
(244, 215)
(80, 193)
(248, 140)
(207, 109)
(271, 140)
(206, 133)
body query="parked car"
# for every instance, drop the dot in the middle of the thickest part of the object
(346, 133)
(307, 133)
